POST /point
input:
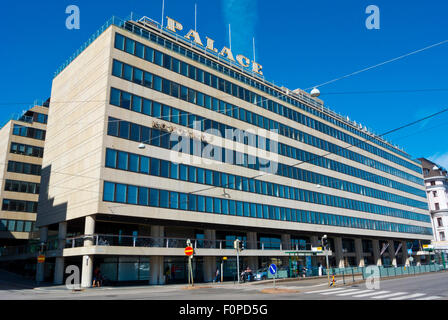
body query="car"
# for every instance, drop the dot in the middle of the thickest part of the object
(261, 274)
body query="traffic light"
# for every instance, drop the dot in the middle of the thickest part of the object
(241, 245)
(238, 245)
(325, 242)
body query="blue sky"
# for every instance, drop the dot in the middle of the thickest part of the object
(299, 43)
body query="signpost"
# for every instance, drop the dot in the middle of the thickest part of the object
(189, 253)
(273, 271)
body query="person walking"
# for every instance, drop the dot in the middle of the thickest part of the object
(97, 277)
(217, 276)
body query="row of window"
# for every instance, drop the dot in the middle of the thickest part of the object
(154, 109)
(140, 51)
(28, 132)
(130, 73)
(140, 164)
(40, 117)
(120, 193)
(161, 139)
(22, 186)
(25, 168)
(19, 206)
(26, 150)
(16, 225)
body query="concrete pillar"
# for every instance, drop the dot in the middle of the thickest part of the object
(87, 260)
(359, 252)
(209, 268)
(286, 245)
(59, 266)
(156, 263)
(156, 270)
(391, 250)
(210, 239)
(252, 245)
(286, 242)
(404, 252)
(376, 252)
(338, 252)
(40, 268)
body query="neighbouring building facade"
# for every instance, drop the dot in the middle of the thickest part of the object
(21, 148)
(161, 140)
(436, 182)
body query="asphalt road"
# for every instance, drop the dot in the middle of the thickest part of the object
(432, 286)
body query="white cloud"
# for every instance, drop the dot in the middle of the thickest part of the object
(441, 159)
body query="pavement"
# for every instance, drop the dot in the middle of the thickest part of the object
(431, 286)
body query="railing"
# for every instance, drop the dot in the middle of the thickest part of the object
(163, 242)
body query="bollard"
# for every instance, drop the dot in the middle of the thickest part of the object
(353, 275)
(343, 276)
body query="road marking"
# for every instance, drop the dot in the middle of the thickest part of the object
(370, 294)
(326, 290)
(390, 295)
(347, 292)
(415, 295)
(430, 298)
(350, 293)
(339, 291)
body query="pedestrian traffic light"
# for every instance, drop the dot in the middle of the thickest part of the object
(241, 245)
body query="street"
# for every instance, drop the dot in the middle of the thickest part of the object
(431, 286)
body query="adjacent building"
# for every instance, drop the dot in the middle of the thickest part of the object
(436, 182)
(161, 140)
(21, 148)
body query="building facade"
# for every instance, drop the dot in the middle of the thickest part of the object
(436, 182)
(161, 141)
(21, 147)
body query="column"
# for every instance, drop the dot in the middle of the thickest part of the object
(209, 267)
(40, 268)
(376, 252)
(405, 257)
(338, 252)
(315, 243)
(156, 270)
(286, 245)
(359, 252)
(391, 250)
(87, 260)
(156, 263)
(252, 245)
(59, 266)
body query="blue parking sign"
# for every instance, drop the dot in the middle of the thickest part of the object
(273, 269)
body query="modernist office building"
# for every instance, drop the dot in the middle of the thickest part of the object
(123, 200)
(21, 148)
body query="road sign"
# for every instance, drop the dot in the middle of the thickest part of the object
(409, 251)
(189, 251)
(273, 269)
(41, 259)
(316, 249)
(411, 259)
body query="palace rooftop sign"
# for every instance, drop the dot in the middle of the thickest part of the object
(193, 35)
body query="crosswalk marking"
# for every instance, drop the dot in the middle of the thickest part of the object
(327, 290)
(350, 293)
(341, 291)
(389, 295)
(415, 295)
(429, 298)
(370, 294)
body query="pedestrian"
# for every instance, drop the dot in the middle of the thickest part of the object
(97, 277)
(167, 274)
(217, 275)
(320, 270)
